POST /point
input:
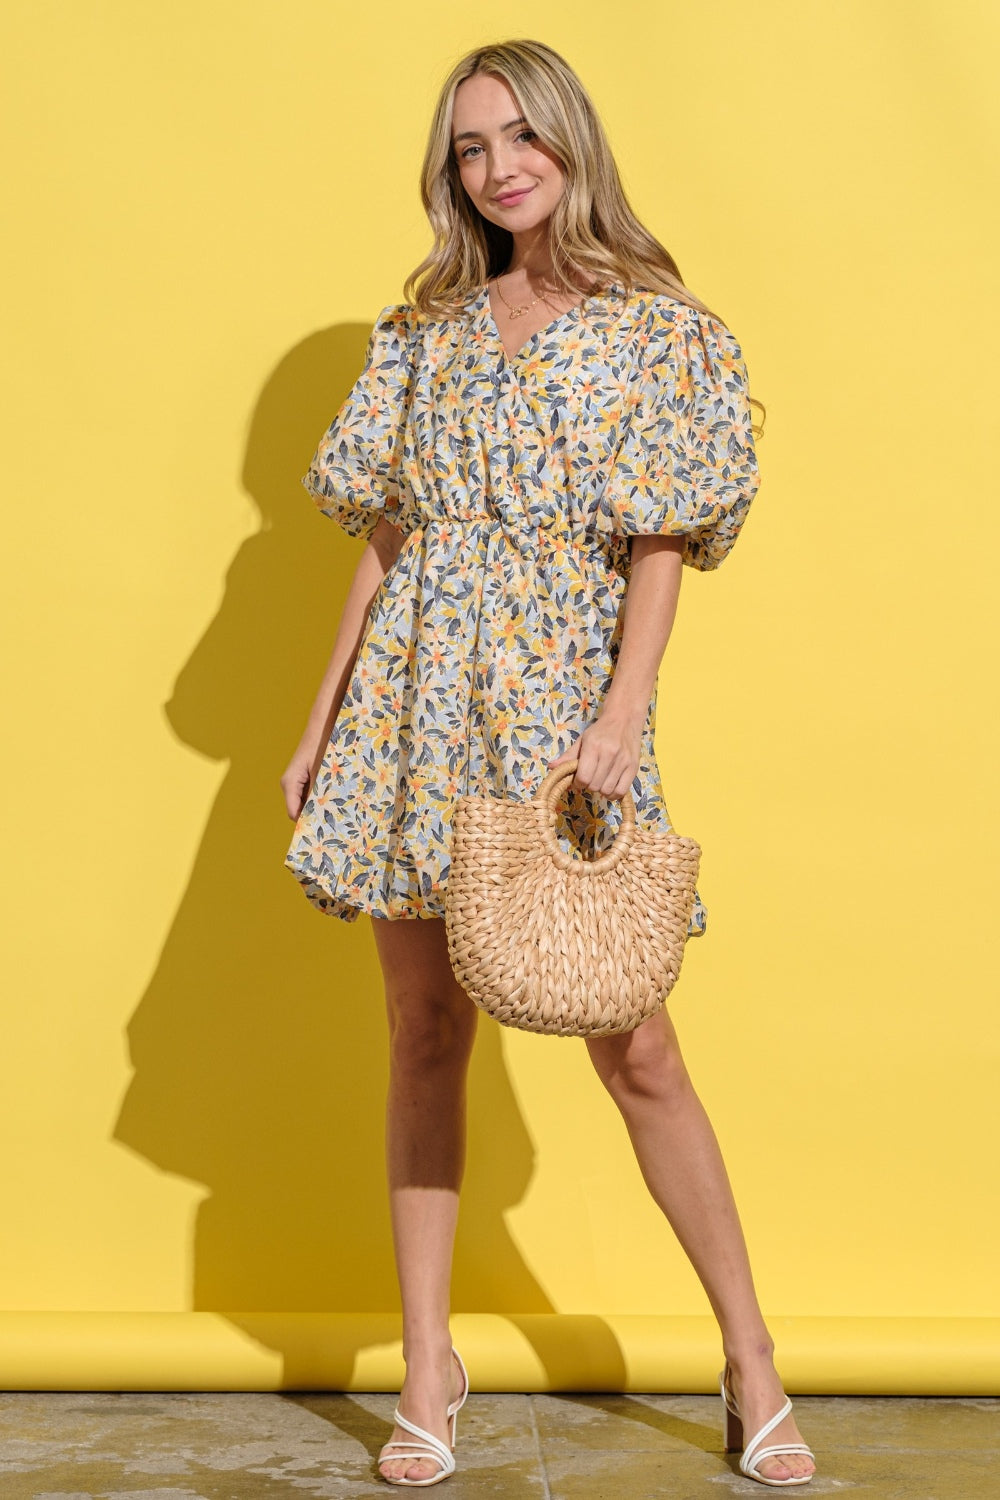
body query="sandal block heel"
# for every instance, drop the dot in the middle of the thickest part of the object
(732, 1428)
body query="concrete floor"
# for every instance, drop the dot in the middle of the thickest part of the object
(70, 1446)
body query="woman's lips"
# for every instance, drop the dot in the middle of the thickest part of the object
(507, 200)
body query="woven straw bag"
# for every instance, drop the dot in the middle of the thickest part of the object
(547, 941)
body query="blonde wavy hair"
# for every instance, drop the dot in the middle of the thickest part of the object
(594, 232)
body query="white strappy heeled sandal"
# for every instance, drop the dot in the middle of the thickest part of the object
(753, 1452)
(425, 1445)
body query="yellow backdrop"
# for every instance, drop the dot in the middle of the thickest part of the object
(210, 205)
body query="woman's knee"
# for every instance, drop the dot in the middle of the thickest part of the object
(431, 1019)
(429, 1025)
(641, 1066)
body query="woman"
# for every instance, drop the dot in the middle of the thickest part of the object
(555, 422)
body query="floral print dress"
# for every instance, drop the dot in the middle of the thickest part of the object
(490, 644)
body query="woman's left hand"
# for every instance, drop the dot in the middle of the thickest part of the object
(609, 751)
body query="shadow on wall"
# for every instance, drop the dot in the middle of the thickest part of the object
(258, 1048)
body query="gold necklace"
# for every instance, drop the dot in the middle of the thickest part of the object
(515, 312)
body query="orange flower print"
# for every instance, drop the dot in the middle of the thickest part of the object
(517, 484)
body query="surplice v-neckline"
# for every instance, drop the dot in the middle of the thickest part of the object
(533, 338)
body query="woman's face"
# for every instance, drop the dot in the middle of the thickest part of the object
(512, 179)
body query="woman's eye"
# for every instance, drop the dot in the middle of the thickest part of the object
(467, 152)
(528, 135)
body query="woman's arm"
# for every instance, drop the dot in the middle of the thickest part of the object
(609, 749)
(376, 560)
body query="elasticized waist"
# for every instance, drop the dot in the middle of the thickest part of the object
(553, 534)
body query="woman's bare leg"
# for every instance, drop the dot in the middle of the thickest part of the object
(680, 1160)
(432, 1024)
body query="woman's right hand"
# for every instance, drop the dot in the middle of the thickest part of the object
(382, 550)
(297, 780)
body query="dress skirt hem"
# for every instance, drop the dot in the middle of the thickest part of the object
(425, 906)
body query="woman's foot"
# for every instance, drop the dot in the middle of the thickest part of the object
(432, 1384)
(758, 1393)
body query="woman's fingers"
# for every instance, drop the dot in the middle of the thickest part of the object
(606, 766)
(295, 784)
(608, 775)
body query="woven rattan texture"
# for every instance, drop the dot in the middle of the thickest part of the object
(548, 942)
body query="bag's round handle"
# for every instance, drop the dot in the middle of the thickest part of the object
(547, 797)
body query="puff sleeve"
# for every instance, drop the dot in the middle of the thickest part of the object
(686, 465)
(353, 477)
